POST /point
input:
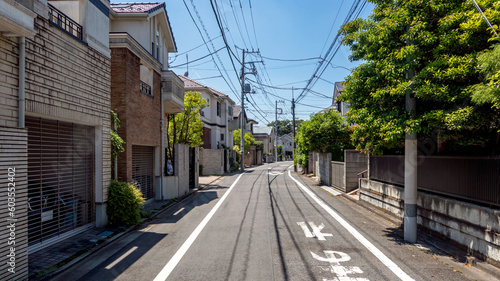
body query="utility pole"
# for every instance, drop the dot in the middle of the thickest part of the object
(276, 133)
(411, 158)
(242, 141)
(293, 127)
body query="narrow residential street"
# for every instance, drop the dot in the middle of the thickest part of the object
(265, 224)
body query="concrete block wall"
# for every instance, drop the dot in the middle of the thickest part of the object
(324, 171)
(310, 163)
(181, 168)
(474, 227)
(212, 161)
(355, 163)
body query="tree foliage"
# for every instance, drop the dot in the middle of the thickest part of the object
(116, 141)
(439, 40)
(286, 126)
(124, 203)
(489, 66)
(249, 141)
(324, 132)
(187, 127)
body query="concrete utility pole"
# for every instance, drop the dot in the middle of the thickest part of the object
(243, 102)
(276, 132)
(242, 141)
(411, 158)
(293, 127)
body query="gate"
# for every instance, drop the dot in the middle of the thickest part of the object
(143, 169)
(192, 163)
(226, 168)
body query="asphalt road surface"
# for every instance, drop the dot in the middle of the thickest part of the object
(266, 224)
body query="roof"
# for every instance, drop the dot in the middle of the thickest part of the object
(286, 136)
(136, 7)
(236, 111)
(193, 84)
(144, 8)
(262, 130)
(340, 86)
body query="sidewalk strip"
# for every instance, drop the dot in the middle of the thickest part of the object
(375, 251)
(169, 267)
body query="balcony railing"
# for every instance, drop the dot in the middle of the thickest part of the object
(146, 89)
(65, 23)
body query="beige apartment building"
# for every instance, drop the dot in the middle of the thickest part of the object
(54, 123)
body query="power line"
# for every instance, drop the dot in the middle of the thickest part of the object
(306, 59)
(179, 65)
(203, 38)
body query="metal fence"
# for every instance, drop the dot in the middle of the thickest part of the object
(475, 179)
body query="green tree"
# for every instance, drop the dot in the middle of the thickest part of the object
(324, 132)
(439, 40)
(280, 149)
(286, 126)
(116, 141)
(249, 140)
(489, 66)
(187, 127)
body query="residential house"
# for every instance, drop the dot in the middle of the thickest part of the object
(249, 123)
(54, 122)
(341, 106)
(217, 134)
(266, 135)
(216, 116)
(287, 142)
(143, 90)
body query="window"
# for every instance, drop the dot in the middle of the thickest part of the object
(208, 101)
(222, 137)
(218, 109)
(153, 49)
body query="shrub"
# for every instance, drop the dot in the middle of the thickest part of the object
(124, 203)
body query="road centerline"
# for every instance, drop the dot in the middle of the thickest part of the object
(172, 263)
(374, 250)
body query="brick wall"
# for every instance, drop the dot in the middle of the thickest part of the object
(139, 113)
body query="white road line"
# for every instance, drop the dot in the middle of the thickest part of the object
(121, 258)
(375, 251)
(169, 267)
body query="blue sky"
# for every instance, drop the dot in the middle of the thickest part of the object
(279, 29)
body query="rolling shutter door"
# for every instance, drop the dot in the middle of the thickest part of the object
(143, 169)
(60, 178)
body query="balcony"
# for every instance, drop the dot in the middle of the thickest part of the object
(17, 18)
(146, 89)
(172, 92)
(65, 23)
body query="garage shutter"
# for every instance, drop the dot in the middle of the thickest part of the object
(142, 169)
(60, 178)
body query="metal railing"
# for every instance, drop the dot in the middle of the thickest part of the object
(145, 88)
(475, 179)
(65, 23)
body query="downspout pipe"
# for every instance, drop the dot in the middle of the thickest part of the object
(162, 162)
(22, 80)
